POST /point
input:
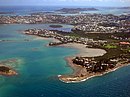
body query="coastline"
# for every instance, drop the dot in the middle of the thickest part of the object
(80, 75)
(43, 38)
(77, 69)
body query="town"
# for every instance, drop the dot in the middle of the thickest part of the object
(88, 23)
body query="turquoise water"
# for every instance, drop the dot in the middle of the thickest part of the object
(39, 66)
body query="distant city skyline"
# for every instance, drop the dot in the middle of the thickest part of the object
(109, 3)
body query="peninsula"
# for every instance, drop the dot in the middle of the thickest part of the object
(111, 54)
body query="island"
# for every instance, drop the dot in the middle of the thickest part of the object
(76, 10)
(7, 67)
(55, 26)
(7, 71)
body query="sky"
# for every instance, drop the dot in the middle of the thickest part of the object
(113, 3)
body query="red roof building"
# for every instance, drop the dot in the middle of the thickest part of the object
(125, 43)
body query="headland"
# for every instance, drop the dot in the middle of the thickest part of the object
(96, 57)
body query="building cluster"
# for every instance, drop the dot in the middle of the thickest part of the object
(103, 24)
(93, 65)
(22, 19)
(89, 22)
(63, 38)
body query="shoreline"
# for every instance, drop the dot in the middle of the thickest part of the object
(80, 73)
(43, 38)
(77, 69)
(84, 51)
(79, 76)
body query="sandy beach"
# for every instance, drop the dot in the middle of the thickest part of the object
(85, 52)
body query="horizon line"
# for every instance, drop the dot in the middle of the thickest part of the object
(60, 6)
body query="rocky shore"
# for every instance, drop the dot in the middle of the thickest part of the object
(7, 67)
(7, 71)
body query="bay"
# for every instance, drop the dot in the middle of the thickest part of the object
(39, 66)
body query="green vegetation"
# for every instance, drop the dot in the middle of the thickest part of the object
(111, 53)
(101, 36)
(110, 46)
(113, 48)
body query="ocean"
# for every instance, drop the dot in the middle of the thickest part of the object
(27, 10)
(38, 66)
